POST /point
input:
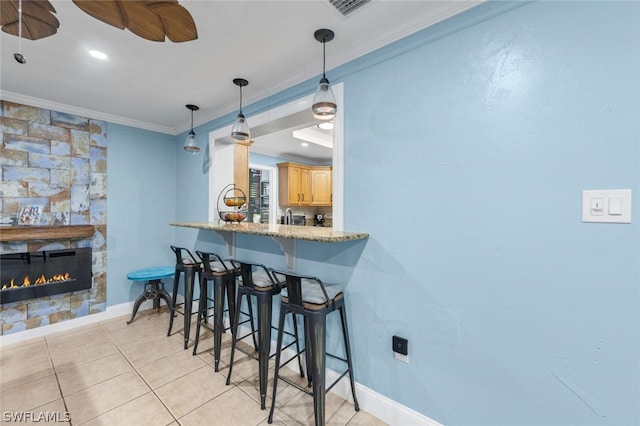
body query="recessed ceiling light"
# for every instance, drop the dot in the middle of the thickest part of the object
(97, 54)
(305, 144)
(327, 125)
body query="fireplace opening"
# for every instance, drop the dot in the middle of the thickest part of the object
(36, 274)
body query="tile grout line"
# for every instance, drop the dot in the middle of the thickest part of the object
(207, 365)
(138, 374)
(55, 372)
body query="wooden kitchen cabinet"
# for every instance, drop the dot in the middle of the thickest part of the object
(301, 185)
(294, 184)
(321, 186)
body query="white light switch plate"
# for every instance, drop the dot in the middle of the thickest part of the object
(610, 206)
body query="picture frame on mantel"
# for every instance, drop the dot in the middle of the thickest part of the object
(54, 219)
(30, 214)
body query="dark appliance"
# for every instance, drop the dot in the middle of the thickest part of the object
(318, 220)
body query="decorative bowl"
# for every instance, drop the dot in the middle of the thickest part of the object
(234, 201)
(233, 216)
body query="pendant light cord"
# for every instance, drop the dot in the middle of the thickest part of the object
(192, 121)
(20, 27)
(240, 99)
(323, 59)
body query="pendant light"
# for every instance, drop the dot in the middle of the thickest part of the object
(19, 56)
(240, 130)
(190, 144)
(324, 102)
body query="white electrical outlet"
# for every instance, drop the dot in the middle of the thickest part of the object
(610, 206)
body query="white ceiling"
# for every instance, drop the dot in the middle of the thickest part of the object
(147, 84)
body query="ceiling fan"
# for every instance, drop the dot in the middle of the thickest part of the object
(150, 19)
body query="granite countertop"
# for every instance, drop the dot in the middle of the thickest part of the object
(309, 233)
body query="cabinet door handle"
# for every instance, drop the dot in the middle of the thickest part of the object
(303, 197)
(298, 196)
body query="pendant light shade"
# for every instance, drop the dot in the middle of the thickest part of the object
(190, 144)
(324, 102)
(240, 130)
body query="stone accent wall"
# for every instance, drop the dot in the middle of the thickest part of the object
(58, 161)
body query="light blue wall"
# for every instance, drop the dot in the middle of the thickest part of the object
(141, 170)
(467, 147)
(516, 312)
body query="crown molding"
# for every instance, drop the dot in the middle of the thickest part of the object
(83, 112)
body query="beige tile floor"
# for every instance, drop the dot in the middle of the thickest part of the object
(111, 373)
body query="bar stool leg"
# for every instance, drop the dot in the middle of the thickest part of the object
(218, 325)
(234, 332)
(188, 301)
(230, 289)
(277, 369)
(295, 332)
(265, 309)
(174, 299)
(202, 306)
(307, 352)
(136, 305)
(317, 340)
(347, 346)
(162, 294)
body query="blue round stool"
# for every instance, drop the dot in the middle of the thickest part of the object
(153, 287)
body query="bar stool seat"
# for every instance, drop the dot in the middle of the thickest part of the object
(153, 287)
(314, 300)
(312, 295)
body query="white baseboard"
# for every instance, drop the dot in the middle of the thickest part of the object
(111, 312)
(376, 404)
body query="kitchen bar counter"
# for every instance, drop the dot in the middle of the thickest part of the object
(309, 233)
(285, 235)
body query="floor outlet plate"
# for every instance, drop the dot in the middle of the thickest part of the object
(400, 357)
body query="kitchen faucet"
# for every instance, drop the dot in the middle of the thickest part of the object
(288, 217)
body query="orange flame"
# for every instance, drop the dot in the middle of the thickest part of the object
(26, 282)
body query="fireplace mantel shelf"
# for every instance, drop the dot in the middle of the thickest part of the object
(31, 233)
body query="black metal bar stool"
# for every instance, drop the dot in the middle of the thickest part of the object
(223, 275)
(309, 297)
(187, 264)
(256, 281)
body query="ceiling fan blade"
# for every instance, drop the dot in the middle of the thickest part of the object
(143, 21)
(107, 11)
(178, 22)
(37, 19)
(8, 12)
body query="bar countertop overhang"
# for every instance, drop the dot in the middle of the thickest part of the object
(309, 233)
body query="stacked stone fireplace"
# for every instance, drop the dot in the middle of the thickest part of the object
(57, 161)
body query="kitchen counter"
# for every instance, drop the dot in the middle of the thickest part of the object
(285, 235)
(309, 233)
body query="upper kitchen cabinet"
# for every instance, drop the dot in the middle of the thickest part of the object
(301, 185)
(321, 186)
(294, 184)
